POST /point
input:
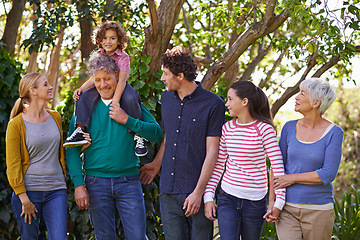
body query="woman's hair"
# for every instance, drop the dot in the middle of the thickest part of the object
(319, 90)
(103, 62)
(258, 102)
(121, 33)
(178, 60)
(28, 81)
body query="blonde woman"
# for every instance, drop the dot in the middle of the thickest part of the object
(35, 161)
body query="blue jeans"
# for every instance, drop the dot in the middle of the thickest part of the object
(177, 226)
(122, 193)
(239, 216)
(52, 208)
(130, 101)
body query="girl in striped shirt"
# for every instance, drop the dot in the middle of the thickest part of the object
(244, 145)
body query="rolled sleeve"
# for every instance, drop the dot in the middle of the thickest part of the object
(73, 160)
(333, 154)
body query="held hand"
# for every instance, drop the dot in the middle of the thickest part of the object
(210, 210)
(148, 172)
(272, 214)
(76, 94)
(192, 204)
(28, 210)
(81, 197)
(117, 113)
(283, 181)
(88, 139)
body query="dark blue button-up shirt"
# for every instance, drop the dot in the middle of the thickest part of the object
(187, 123)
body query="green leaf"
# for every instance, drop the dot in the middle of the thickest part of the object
(138, 84)
(144, 68)
(146, 59)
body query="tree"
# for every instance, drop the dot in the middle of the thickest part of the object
(12, 24)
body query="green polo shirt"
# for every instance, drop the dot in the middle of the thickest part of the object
(112, 149)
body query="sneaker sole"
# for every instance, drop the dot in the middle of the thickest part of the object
(74, 144)
(141, 155)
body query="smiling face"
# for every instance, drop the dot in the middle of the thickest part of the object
(43, 89)
(105, 83)
(235, 104)
(110, 42)
(171, 81)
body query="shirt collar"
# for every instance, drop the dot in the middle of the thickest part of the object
(197, 89)
(117, 52)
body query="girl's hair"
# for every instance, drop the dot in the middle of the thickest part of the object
(28, 81)
(319, 89)
(258, 102)
(121, 33)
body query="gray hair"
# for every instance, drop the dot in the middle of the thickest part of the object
(319, 90)
(103, 62)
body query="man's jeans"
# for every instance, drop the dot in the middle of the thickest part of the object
(179, 227)
(239, 216)
(52, 208)
(122, 193)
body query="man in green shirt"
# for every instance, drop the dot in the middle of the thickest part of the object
(110, 165)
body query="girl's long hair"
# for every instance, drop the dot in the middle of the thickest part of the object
(28, 81)
(258, 102)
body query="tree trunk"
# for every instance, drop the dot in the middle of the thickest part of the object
(12, 24)
(86, 43)
(54, 67)
(86, 28)
(233, 70)
(32, 67)
(158, 34)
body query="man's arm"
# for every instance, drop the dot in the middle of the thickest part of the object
(150, 170)
(73, 163)
(147, 127)
(193, 201)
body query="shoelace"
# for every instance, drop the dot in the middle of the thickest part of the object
(139, 142)
(78, 130)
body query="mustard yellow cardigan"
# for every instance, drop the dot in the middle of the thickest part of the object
(17, 156)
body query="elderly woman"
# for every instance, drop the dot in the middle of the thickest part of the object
(35, 161)
(311, 149)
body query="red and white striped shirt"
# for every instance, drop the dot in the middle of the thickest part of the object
(245, 147)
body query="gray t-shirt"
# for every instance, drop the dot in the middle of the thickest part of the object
(42, 143)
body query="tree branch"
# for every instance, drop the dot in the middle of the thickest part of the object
(289, 92)
(263, 82)
(251, 66)
(247, 38)
(154, 25)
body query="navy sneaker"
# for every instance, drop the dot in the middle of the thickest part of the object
(140, 146)
(76, 139)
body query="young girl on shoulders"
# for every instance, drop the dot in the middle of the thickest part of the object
(110, 39)
(244, 145)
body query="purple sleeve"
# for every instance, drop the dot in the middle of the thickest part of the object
(123, 62)
(332, 159)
